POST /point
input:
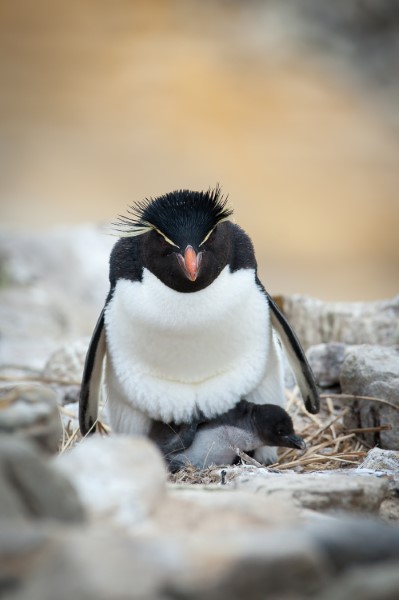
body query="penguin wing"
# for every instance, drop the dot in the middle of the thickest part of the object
(91, 380)
(295, 354)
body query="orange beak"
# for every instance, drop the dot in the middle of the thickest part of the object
(190, 263)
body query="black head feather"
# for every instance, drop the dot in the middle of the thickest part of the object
(181, 216)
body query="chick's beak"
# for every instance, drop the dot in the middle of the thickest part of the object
(190, 262)
(294, 441)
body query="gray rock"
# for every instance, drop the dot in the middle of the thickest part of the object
(211, 509)
(376, 582)
(21, 546)
(31, 412)
(256, 565)
(288, 562)
(99, 563)
(36, 320)
(381, 460)
(318, 322)
(64, 370)
(322, 491)
(53, 288)
(66, 394)
(119, 479)
(365, 556)
(385, 462)
(373, 371)
(103, 564)
(66, 363)
(326, 361)
(70, 259)
(351, 542)
(33, 323)
(30, 488)
(96, 564)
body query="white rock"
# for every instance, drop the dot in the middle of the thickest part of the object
(30, 411)
(381, 460)
(36, 320)
(66, 364)
(55, 286)
(118, 478)
(216, 508)
(322, 491)
(71, 259)
(318, 322)
(326, 361)
(30, 488)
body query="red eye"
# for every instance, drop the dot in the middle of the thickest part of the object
(165, 246)
(210, 238)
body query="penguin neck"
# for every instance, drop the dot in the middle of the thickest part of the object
(161, 304)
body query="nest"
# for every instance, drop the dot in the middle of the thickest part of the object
(329, 444)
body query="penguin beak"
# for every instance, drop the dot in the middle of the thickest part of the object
(293, 441)
(190, 262)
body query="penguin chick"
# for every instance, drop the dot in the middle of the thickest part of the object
(248, 426)
(171, 437)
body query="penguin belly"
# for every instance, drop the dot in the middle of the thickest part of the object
(170, 354)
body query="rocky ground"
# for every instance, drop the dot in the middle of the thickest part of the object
(100, 518)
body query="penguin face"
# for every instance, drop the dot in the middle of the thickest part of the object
(183, 238)
(275, 428)
(187, 265)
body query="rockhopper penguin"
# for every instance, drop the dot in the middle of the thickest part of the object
(188, 330)
(247, 426)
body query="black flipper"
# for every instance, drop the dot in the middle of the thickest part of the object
(91, 381)
(296, 356)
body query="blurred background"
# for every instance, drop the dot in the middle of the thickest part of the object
(292, 106)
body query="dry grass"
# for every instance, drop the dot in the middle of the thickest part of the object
(70, 431)
(329, 444)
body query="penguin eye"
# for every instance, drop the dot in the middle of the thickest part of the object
(166, 243)
(209, 236)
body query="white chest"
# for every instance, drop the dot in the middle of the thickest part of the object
(171, 352)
